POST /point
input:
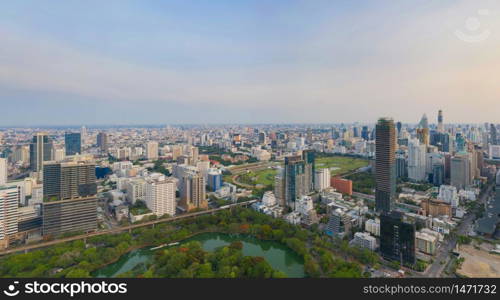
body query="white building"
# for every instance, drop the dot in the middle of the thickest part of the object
(9, 197)
(373, 226)
(3, 171)
(322, 179)
(160, 195)
(152, 150)
(268, 199)
(136, 190)
(416, 160)
(449, 194)
(364, 240)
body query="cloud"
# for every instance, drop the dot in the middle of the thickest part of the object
(372, 66)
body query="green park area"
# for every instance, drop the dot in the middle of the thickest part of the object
(340, 164)
(337, 165)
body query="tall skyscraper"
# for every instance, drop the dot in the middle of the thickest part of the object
(193, 195)
(73, 143)
(69, 198)
(440, 127)
(9, 197)
(416, 160)
(298, 176)
(40, 150)
(493, 135)
(102, 141)
(3, 171)
(397, 238)
(160, 195)
(385, 165)
(460, 171)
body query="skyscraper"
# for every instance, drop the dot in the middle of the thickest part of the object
(40, 150)
(385, 166)
(416, 160)
(493, 135)
(298, 176)
(397, 238)
(69, 198)
(440, 127)
(73, 143)
(102, 141)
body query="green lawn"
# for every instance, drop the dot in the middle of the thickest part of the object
(340, 164)
(337, 164)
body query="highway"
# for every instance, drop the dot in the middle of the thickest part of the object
(443, 255)
(120, 229)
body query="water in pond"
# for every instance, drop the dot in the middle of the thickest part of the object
(279, 256)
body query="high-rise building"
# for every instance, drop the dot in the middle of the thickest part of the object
(279, 187)
(3, 171)
(9, 197)
(397, 238)
(193, 194)
(70, 202)
(71, 180)
(214, 178)
(40, 151)
(160, 195)
(460, 171)
(299, 176)
(73, 143)
(385, 166)
(152, 150)
(416, 160)
(322, 179)
(102, 141)
(440, 127)
(493, 135)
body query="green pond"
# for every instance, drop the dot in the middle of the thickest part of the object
(277, 255)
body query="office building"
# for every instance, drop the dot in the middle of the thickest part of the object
(385, 166)
(69, 198)
(299, 176)
(460, 171)
(73, 143)
(102, 142)
(397, 238)
(214, 178)
(40, 151)
(440, 127)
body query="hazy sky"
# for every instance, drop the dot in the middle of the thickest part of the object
(148, 62)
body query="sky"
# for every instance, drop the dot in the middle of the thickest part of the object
(224, 61)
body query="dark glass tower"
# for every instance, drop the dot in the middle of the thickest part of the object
(397, 238)
(385, 165)
(40, 150)
(73, 143)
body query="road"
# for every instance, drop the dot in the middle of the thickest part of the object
(443, 255)
(120, 229)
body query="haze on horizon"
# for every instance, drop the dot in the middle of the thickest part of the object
(296, 61)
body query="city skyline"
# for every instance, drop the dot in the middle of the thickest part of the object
(253, 62)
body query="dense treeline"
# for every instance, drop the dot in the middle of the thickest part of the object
(80, 259)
